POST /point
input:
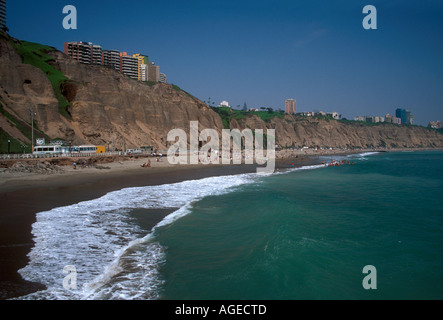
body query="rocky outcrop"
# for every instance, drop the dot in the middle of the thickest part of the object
(35, 167)
(108, 108)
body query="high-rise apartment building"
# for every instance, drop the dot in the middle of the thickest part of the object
(144, 72)
(153, 72)
(162, 78)
(96, 54)
(136, 66)
(111, 58)
(405, 116)
(141, 60)
(290, 106)
(2, 14)
(129, 65)
(84, 52)
(80, 51)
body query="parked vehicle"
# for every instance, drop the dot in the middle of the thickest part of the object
(47, 150)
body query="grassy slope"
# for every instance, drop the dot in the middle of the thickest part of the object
(227, 114)
(23, 127)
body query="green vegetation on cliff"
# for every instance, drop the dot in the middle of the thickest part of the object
(110, 103)
(37, 55)
(16, 146)
(227, 114)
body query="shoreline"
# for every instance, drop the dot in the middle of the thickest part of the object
(21, 203)
(113, 168)
(24, 195)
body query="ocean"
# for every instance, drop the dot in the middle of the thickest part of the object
(300, 233)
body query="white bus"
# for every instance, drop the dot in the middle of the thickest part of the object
(47, 150)
(84, 149)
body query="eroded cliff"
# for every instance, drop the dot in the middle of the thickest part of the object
(94, 104)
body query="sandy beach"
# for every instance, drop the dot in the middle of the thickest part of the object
(24, 194)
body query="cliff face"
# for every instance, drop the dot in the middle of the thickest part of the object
(108, 108)
(311, 132)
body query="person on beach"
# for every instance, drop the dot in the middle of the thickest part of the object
(74, 165)
(147, 164)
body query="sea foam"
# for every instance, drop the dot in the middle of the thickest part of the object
(103, 241)
(113, 256)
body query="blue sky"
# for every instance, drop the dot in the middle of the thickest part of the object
(263, 52)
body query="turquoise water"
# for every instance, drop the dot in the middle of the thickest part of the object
(298, 234)
(308, 234)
